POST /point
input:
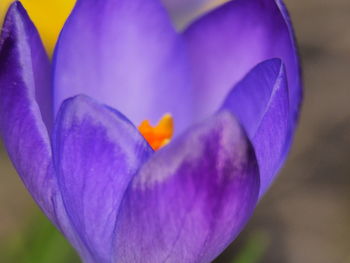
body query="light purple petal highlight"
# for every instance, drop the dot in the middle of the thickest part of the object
(260, 102)
(127, 55)
(97, 152)
(192, 198)
(226, 43)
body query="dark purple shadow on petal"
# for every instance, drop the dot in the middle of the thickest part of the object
(17, 29)
(260, 102)
(191, 198)
(226, 43)
(97, 152)
(125, 54)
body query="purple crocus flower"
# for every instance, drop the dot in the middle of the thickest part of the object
(231, 83)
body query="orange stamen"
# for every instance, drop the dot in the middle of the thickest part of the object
(159, 135)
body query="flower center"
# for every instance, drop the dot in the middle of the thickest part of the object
(159, 135)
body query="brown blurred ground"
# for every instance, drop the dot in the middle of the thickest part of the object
(306, 214)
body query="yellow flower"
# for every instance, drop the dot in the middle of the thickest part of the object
(4, 4)
(47, 15)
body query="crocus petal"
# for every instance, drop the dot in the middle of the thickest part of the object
(97, 152)
(127, 55)
(23, 80)
(225, 44)
(191, 198)
(23, 69)
(260, 102)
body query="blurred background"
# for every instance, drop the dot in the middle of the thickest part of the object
(305, 217)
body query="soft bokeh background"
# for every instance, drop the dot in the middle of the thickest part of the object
(305, 217)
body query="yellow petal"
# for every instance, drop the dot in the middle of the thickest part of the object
(49, 17)
(4, 5)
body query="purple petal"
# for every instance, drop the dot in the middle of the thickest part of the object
(127, 55)
(97, 152)
(192, 198)
(225, 44)
(23, 81)
(23, 76)
(260, 102)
